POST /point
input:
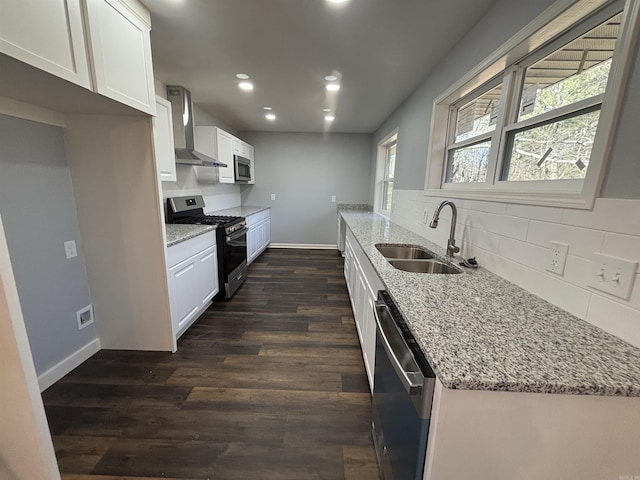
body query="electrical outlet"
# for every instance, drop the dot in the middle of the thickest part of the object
(273, 196)
(85, 316)
(425, 215)
(70, 249)
(333, 199)
(557, 257)
(613, 275)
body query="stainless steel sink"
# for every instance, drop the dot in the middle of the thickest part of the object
(403, 251)
(424, 266)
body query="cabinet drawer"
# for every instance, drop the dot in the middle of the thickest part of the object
(184, 250)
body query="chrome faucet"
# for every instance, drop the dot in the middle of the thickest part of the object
(451, 243)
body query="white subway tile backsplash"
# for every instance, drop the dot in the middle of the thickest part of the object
(577, 271)
(615, 318)
(504, 267)
(481, 238)
(512, 241)
(533, 212)
(489, 207)
(525, 253)
(569, 297)
(513, 227)
(610, 215)
(623, 246)
(582, 241)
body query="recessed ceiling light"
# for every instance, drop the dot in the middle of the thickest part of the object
(336, 1)
(246, 85)
(267, 108)
(329, 118)
(270, 116)
(242, 76)
(331, 78)
(326, 109)
(333, 87)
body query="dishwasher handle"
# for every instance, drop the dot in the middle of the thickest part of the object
(412, 381)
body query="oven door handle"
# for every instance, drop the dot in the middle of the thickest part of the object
(236, 234)
(412, 381)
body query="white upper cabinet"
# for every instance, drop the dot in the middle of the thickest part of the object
(106, 50)
(120, 47)
(225, 155)
(48, 35)
(163, 141)
(253, 169)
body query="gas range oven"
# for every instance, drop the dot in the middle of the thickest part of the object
(231, 239)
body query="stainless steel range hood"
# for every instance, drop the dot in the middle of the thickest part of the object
(186, 154)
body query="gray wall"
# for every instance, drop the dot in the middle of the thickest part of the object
(39, 214)
(304, 171)
(413, 116)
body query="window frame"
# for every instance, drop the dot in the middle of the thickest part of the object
(382, 178)
(544, 35)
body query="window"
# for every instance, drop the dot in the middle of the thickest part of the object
(536, 130)
(385, 172)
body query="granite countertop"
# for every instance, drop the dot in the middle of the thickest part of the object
(177, 233)
(243, 211)
(481, 332)
(355, 206)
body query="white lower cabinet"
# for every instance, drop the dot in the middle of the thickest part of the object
(258, 234)
(193, 279)
(363, 284)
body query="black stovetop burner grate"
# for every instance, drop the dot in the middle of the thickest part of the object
(207, 220)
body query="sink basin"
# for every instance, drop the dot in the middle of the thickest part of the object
(403, 251)
(424, 266)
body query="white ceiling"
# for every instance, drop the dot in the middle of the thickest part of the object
(381, 49)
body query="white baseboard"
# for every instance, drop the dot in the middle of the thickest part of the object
(55, 373)
(311, 246)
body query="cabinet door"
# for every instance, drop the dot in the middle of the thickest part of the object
(237, 146)
(120, 46)
(267, 232)
(163, 141)
(252, 233)
(47, 35)
(225, 155)
(208, 273)
(253, 169)
(185, 293)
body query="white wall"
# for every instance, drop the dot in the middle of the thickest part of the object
(39, 213)
(304, 170)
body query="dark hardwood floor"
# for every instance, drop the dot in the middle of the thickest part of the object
(268, 385)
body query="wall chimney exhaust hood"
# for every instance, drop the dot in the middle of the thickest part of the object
(186, 154)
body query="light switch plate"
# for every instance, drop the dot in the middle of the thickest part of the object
(613, 275)
(333, 199)
(273, 196)
(70, 249)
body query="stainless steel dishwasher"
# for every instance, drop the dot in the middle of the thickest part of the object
(402, 396)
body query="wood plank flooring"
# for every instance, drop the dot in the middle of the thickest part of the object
(268, 385)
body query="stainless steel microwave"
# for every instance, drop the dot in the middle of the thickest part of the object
(242, 168)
